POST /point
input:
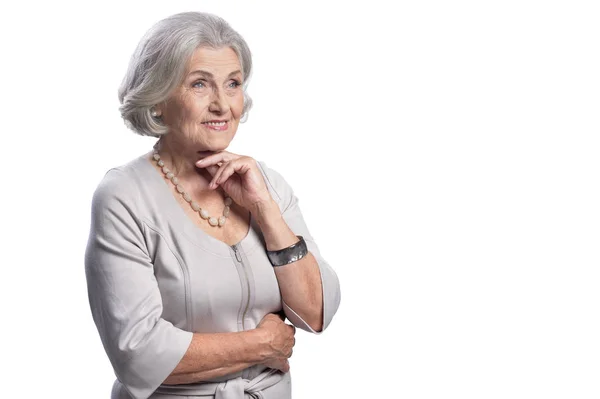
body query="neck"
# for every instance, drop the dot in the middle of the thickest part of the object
(182, 162)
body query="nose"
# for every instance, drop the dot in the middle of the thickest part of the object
(218, 101)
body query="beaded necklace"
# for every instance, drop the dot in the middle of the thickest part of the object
(215, 222)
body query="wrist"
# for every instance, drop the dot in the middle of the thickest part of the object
(266, 212)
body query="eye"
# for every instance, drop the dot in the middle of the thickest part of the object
(199, 84)
(233, 84)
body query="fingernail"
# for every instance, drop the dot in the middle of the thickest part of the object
(199, 162)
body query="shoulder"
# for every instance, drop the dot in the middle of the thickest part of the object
(118, 186)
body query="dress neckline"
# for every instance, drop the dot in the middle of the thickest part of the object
(190, 227)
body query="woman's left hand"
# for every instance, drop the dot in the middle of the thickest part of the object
(239, 177)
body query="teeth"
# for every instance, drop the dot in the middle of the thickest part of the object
(215, 123)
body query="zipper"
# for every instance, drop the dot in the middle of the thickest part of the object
(238, 257)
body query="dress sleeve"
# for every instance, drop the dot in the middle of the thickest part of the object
(288, 203)
(126, 304)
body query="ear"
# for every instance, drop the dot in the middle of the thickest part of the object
(158, 109)
(155, 111)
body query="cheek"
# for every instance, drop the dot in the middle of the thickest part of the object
(237, 104)
(178, 107)
(192, 109)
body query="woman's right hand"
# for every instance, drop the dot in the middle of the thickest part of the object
(280, 341)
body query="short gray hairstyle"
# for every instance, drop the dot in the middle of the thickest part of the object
(158, 65)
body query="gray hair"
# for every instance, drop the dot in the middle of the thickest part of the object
(158, 65)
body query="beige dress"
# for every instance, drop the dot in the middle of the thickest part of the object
(154, 278)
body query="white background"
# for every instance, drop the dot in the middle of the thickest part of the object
(446, 159)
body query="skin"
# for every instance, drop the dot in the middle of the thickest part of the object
(217, 94)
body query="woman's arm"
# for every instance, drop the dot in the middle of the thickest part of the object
(215, 355)
(300, 281)
(218, 354)
(310, 288)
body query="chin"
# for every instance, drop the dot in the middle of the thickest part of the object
(214, 148)
(212, 143)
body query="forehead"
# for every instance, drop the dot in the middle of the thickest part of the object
(219, 62)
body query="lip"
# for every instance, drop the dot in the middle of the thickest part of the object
(216, 128)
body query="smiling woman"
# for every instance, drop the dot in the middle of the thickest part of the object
(187, 303)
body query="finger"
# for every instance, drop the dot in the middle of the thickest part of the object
(237, 166)
(224, 173)
(216, 176)
(223, 156)
(215, 158)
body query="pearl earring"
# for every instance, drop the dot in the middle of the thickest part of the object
(154, 113)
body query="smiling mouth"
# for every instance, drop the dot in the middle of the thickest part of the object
(222, 125)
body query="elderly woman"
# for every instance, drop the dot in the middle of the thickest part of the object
(196, 255)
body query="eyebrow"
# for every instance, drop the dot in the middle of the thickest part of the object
(210, 75)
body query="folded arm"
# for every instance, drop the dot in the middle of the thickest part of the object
(218, 354)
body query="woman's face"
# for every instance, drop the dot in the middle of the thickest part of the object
(204, 112)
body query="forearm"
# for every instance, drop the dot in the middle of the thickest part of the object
(215, 355)
(299, 282)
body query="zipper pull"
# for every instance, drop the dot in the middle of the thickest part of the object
(237, 255)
